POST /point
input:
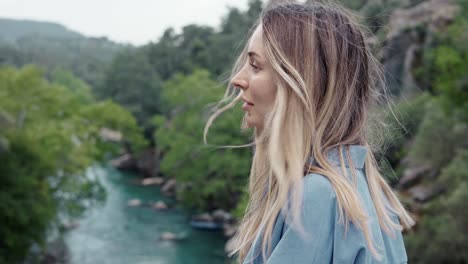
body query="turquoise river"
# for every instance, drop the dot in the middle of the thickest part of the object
(116, 233)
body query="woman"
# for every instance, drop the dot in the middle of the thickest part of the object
(307, 80)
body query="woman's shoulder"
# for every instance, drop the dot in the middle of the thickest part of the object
(321, 205)
(319, 196)
(317, 185)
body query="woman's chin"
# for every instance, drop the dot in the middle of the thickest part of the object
(247, 121)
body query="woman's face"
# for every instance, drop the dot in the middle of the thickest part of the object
(256, 81)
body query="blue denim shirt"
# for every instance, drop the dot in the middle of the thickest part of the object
(327, 242)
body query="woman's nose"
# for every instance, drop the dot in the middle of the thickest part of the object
(239, 82)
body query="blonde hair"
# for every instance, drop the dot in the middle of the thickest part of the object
(327, 79)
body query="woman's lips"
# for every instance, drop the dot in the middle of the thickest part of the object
(246, 106)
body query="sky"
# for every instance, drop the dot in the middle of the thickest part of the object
(137, 21)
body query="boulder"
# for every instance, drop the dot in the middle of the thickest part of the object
(229, 247)
(412, 175)
(159, 205)
(152, 181)
(124, 162)
(169, 187)
(229, 230)
(148, 162)
(134, 202)
(422, 193)
(68, 225)
(203, 217)
(168, 236)
(435, 14)
(221, 215)
(404, 40)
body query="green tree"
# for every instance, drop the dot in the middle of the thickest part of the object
(52, 135)
(441, 142)
(201, 46)
(132, 82)
(76, 85)
(445, 220)
(208, 177)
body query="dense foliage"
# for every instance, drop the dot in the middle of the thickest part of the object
(209, 177)
(50, 134)
(442, 142)
(133, 83)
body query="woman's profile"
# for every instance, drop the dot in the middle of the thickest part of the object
(307, 80)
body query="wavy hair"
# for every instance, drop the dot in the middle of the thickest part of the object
(327, 80)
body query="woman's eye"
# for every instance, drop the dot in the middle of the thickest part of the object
(256, 68)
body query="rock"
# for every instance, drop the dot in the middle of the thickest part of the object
(412, 175)
(124, 162)
(159, 205)
(397, 57)
(203, 217)
(169, 187)
(110, 135)
(421, 193)
(152, 181)
(229, 230)
(148, 162)
(434, 14)
(229, 247)
(221, 215)
(168, 236)
(134, 202)
(404, 41)
(70, 225)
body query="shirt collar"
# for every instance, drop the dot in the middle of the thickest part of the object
(357, 154)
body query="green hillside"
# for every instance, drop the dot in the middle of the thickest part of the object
(53, 46)
(12, 29)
